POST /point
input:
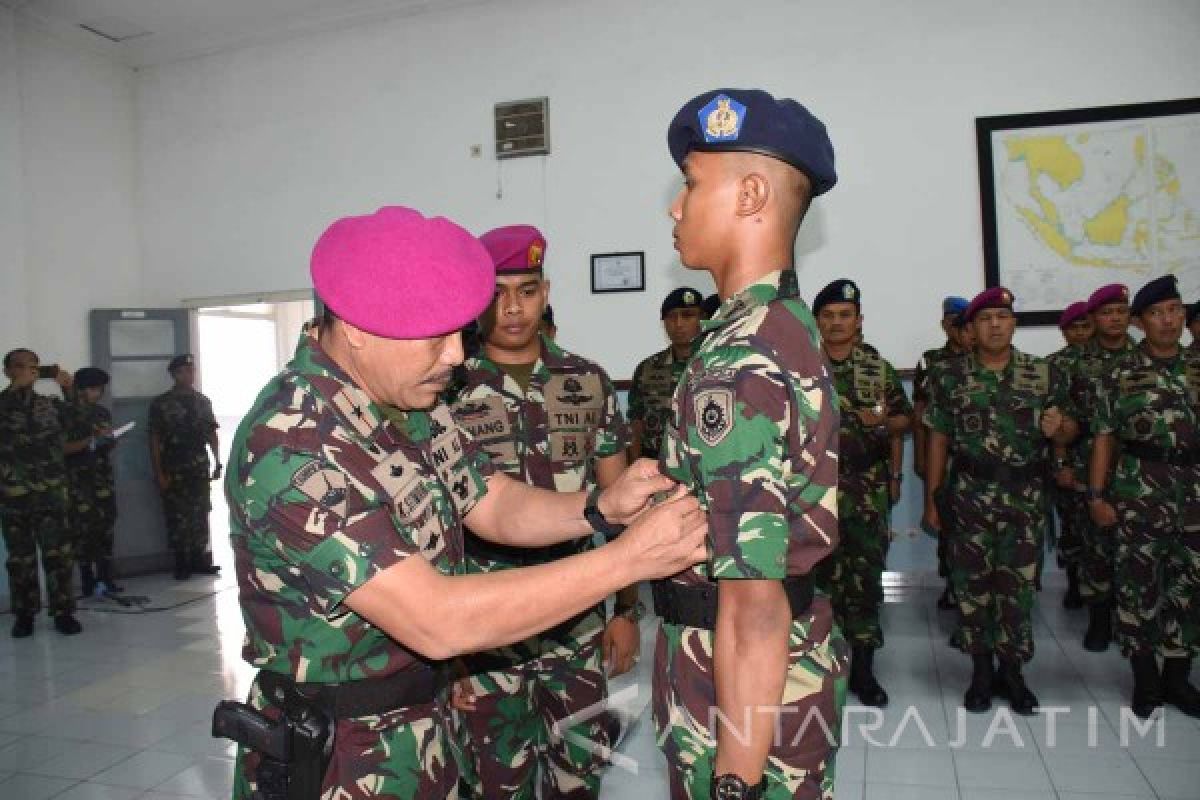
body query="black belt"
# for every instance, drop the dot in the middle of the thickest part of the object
(519, 556)
(863, 461)
(997, 471)
(368, 697)
(1176, 456)
(696, 606)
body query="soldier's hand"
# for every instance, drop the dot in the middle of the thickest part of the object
(1102, 513)
(668, 538)
(65, 379)
(1052, 421)
(461, 695)
(932, 520)
(630, 494)
(1065, 478)
(894, 490)
(621, 643)
(872, 417)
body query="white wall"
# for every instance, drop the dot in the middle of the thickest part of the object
(247, 155)
(14, 320)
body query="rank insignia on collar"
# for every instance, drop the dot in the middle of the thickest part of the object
(721, 120)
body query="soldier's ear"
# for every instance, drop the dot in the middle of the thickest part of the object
(753, 192)
(356, 338)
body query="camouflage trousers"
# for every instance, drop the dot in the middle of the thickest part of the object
(92, 518)
(25, 532)
(993, 563)
(1097, 563)
(508, 746)
(1158, 577)
(801, 763)
(852, 575)
(401, 755)
(1073, 520)
(186, 504)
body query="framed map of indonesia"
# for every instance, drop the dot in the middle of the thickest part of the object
(1073, 200)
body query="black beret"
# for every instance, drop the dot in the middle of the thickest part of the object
(184, 360)
(710, 305)
(90, 378)
(752, 121)
(1156, 291)
(843, 290)
(682, 297)
(1193, 312)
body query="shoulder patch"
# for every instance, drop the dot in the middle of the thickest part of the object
(714, 414)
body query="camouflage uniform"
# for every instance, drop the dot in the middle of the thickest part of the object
(931, 361)
(324, 494)
(1152, 404)
(754, 434)
(996, 495)
(852, 575)
(547, 436)
(1099, 545)
(654, 382)
(183, 420)
(33, 500)
(1071, 505)
(92, 494)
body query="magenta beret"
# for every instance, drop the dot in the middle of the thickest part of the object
(401, 275)
(1073, 313)
(515, 248)
(996, 297)
(1112, 293)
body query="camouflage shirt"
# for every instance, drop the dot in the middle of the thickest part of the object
(863, 380)
(754, 432)
(1092, 362)
(930, 359)
(1155, 403)
(33, 471)
(1064, 360)
(995, 416)
(183, 420)
(654, 383)
(90, 470)
(324, 493)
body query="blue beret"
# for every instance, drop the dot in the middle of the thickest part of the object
(90, 378)
(752, 121)
(954, 305)
(683, 297)
(1156, 291)
(710, 305)
(185, 360)
(1193, 312)
(843, 290)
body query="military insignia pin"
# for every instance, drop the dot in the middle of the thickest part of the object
(714, 415)
(721, 120)
(535, 255)
(848, 292)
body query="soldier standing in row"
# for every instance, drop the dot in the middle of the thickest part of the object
(995, 412)
(547, 418)
(875, 412)
(1148, 417)
(749, 672)
(1193, 324)
(957, 343)
(1070, 470)
(182, 431)
(1108, 308)
(33, 494)
(655, 378)
(93, 500)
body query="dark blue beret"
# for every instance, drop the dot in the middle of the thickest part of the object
(954, 305)
(1193, 312)
(185, 360)
(1157, 290)
(90, 378)
(710, 305)
(752, 121)
(683, 297)
(843, 290)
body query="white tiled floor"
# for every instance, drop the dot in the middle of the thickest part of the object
(123, 712)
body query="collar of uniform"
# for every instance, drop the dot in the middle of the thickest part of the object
(1094, 347)
(552, 357)
(773, 285)
(977, 365)
(349, 401)
(1152, 359)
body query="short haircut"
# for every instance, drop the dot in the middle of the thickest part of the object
(11, 354)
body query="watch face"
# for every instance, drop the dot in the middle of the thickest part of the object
(730, 787)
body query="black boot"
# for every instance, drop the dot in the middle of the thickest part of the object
(1072, 600)
(979, 694)
(1099, 630)
(23, 626)
(1147, 684)
(67, 625)
(1012, 683)
(202, 565)
(947, 601)
(1176, 689)
(87, 579)
(104, 571)
(183, 566)
(862, 678)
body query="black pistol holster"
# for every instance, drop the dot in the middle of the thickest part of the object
(294, 749)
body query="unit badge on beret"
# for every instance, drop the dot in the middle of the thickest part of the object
(722, 119)
(1006, 297)
(535, 255)
(714, 415)
(689, 298)
(848, 291)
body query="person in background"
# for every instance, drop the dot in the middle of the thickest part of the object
(548, 328)
(656, 376)
(93, 501)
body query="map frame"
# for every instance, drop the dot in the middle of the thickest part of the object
(985, 130)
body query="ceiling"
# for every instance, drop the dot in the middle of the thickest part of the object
(142, 33)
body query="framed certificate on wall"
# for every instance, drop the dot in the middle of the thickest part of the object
(618, 272)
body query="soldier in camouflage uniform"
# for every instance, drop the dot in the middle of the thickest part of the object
(875, 412)
(33, 495)
(1070, 469)
(996, 411)
(548, 418)
(1193, 324)
(93, 501)
(957, 343)
(346, 518)
(182, 430)
(749, 673)
(1148, 415)
(655, 378)
(1108, 308)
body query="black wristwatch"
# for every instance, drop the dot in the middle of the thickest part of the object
(591, 512)
(731, 787)
(633, 613)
